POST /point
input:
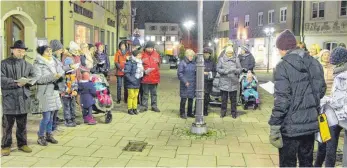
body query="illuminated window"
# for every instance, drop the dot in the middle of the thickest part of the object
(246, 20)
(173, 38)
(82, 34)
(152, 38)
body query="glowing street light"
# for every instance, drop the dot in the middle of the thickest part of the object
(209, 44)
(147, 38)
(268, 32)
(216, 40)
(188, 24)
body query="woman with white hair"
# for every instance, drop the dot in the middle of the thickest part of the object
(229, 68)
(186, 73)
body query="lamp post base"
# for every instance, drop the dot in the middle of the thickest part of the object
(199, 129)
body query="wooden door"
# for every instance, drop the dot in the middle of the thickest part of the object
(14, 30)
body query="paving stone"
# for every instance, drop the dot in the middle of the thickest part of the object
(255, 131)
(20, 161)
(149, 158)
(81, 151)
(201, 161)
(47, 162)
(164, 126)
(275, 159)
(79, 133)
(144, 126)
(101, 134)
(167, 162)
(141, 163)
(165, 133)
(78, 162)
(190, 150)
(149, 133)
(122, 126)
(165, 147)
(261, 148)
(5, 159)
(106, 162)
(241, 148)
(235, 160)
(253, 160)
(216, 150)
(80, 142)
(179, 142)
(157, 141)
(53, 152)
(163, 153)
(110, 152)
(249, 138)
(107, 141)
(132, 132)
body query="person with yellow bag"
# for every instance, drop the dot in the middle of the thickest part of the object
(299, 86)
(336, 107)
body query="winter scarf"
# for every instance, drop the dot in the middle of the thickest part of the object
(140, 70)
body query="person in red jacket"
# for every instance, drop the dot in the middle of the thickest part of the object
(120, 58)
(151, 79)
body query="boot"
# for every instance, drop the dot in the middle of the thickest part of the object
(92, 121)
(50, 138)
(118, 101)
(130, 112)
(5, 151)
(75, 122)
(222, 114)
(42, 141)
(155, 109)
(234, 115)
(69, 123)
(89, 120)
(25, 148)
(135, 111)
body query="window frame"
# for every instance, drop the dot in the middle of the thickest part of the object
(152, 26)
(246, 21)
(286, 13)
(262, 18)
(340, 9)
(318, 10)
(272, 12)
(331, 44)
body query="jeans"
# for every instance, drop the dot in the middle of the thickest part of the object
(294, 148)
(327, 151)
(87, 111)
(206, 102)
(121, 82)
(55, 120)
(183, 106)
(69, 108)
(149, 88)
(232, 96)
(46, 123)
(21, 132)
(132, 99)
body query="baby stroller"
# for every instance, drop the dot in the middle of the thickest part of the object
(103, 101)
(251, 99)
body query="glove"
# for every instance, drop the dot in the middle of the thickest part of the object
(276, 136)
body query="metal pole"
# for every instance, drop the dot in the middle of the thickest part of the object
(268, 54)
(199, 126)
(188, 38)
(117, 31)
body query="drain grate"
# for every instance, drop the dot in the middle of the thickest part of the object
(135, 146)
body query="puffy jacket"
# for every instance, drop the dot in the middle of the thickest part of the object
(130, 71)
(87, 93)
(15, 99)
(247, 61)
(76, 59)
(339, 96)
(210, 66)
(120, 60)
(296, 100)
(100, 57)
(186, 72)
(228, 69)
(151, 60)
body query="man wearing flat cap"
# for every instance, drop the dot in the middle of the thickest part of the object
(15, 98)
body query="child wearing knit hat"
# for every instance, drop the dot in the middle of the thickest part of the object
(87, 93)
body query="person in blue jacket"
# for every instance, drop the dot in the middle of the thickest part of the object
(87, 93)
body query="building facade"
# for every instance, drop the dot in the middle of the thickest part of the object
(166, 35)
(38, 22)
(248, 20)
(325, 23)
(221, 30)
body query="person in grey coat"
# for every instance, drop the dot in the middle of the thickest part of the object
(229, 68)
(50, 71)
(186, 73)
(299, 86)
(246, 59)
(15, 98)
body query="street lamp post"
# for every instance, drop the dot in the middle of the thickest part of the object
(269, 32)
(188, 24)
(199, 126)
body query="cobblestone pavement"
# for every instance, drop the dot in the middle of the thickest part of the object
(236, 142)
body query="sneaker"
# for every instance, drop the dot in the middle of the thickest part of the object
(135, 111)
(118, 101)
(183, 116)
(42, 141)
(25, 148)
(143, 109)
(130, 112)
(155, 109)
(90, 120)
(76, 122)
(5, 151)
(257, 101)
(69, 123)
(50, 138)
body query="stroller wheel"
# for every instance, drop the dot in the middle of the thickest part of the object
(255, 106)
(108, 117)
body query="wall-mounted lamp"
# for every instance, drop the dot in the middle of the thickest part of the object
(48, 18)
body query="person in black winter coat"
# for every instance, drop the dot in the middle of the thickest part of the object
(209, 74)
(299, 86)
(246, 59)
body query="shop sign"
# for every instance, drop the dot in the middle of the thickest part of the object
(111, 22)
(328, 27)
(83, 11)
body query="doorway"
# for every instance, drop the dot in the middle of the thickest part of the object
(14, 30)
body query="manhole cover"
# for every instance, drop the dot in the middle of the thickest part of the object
(135, 146)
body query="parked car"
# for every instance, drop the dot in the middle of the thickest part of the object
(174, 61)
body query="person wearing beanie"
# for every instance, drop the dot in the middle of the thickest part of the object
(246, 59)
(57, 48)
(327, 151)
(133, 73)
(151, 79)
(87, 93)
(229, 68)
(209, 74)
(120, 58)
(51, 71)
(102, 59)
(299, 86)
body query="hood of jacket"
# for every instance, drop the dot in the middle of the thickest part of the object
(342, 81)
(298, 59)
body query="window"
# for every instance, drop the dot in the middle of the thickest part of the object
(96, 35)
(330, 45)
(173, 28)
(317, 10)
(153, 28)
(173, 38)
(270, 18)
(82, 34)
(225, 18)
(246, 20)
(283, 15)
(236, 22)
(163, 28)
(102, 36)
(343, 8)
(152, 38)
(260, 19)
(163, 38)
(168, 38)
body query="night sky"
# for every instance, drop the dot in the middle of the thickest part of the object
(177, 12)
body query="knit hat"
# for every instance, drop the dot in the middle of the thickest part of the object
(245, 48)
(56, 45)
(150, 44)
(98, 44)
(286, 40)
(208, 50)
(74, 48)
(136, 52)
(338, 56)
(41, 49)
